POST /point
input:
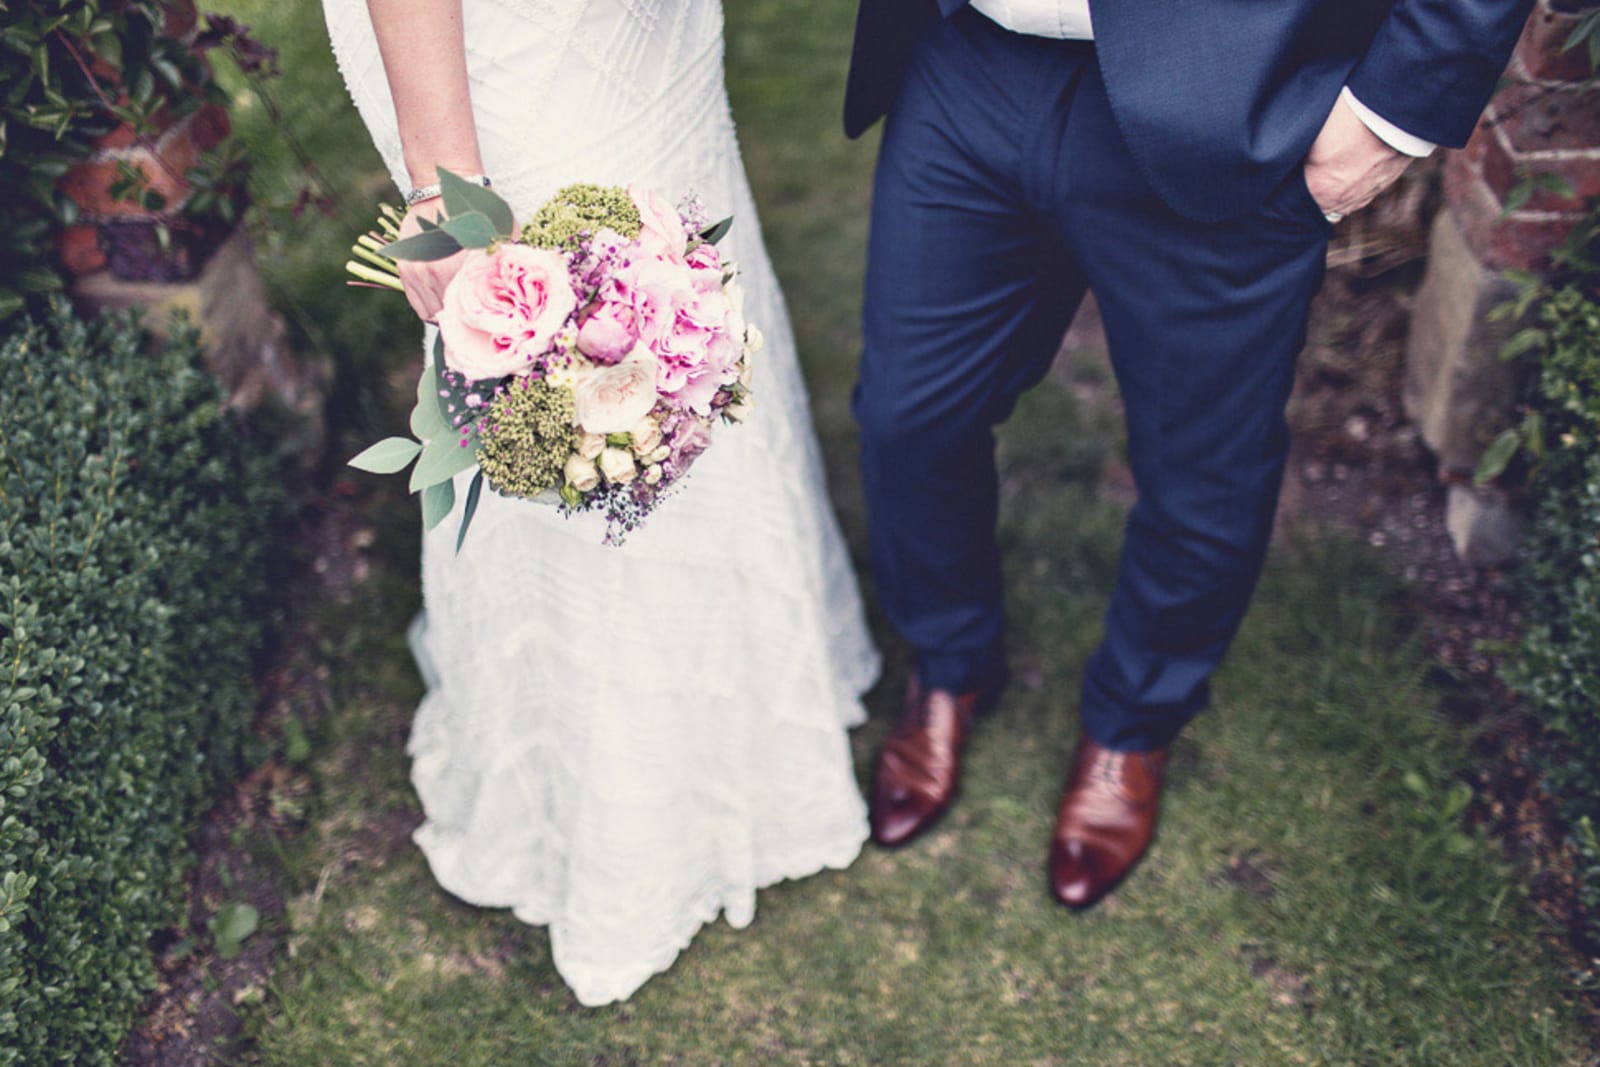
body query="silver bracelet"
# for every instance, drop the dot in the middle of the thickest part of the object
(431, 190)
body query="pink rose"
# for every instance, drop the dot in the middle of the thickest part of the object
(608, 333)
(663, 232)
(503, 310)
(613, 399)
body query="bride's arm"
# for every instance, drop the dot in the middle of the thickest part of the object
(424, 55)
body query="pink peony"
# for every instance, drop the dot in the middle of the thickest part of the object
(609, 333)
(504, 309)
(699, 355)
(663, 232)
(655, 288)
(707, 266)
(613, 399)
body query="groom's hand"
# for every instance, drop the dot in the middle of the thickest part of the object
(1348, 164)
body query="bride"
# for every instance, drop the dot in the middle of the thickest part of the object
(618, 743)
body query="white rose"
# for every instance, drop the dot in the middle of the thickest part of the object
(652, 475)
(753, 340)
(660, 454)
(646, 435)
(745, 373)
(591, 445)
(611, 399)
(734, 292)
(618, 466)
(740, 411)
(581, 474)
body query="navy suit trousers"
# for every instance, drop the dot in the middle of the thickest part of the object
(1003, 191)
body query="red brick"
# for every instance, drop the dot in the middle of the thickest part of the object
(1523, 240)
(78, 249)
(1540, 116)
(89, 184)
(1504, 170)
(1481, 134)
(210, 126)
(1540, 46)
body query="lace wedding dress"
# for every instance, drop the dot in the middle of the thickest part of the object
(620, 743)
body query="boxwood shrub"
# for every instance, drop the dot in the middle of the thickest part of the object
(134, 524)
(1557, 667)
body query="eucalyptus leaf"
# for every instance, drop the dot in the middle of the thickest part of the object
(717, 231)
(473, 229)
(388, 456)
(427, 420)
(431, 244)
(472, 506)
(442, 459)
(462, 196)
(437, 500)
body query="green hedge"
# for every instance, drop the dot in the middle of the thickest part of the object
(132, 550)
(1558, 665)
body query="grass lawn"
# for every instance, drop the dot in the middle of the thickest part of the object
(1312, 898)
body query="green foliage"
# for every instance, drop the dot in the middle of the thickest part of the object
(231, 926)
(72, 71)
(1586, 35)
(1558, 668)
(133, 521)
(57, 95)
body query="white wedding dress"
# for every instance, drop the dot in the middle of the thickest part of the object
(620, 743)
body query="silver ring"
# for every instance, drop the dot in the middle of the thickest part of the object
(1333, 216)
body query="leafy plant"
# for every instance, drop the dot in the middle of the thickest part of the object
(1577, 265)
(1586, 35)
(53, 106)
(1558, 666)
(134, 534)
(74, 71)
(231, 926)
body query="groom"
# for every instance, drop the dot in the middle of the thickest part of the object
(1185, 159)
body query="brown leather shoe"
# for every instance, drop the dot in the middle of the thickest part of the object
(1107, 821)
(919, 766)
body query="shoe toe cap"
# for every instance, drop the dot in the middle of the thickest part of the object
(1077, 875)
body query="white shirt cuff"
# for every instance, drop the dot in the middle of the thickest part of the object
(1386, 131)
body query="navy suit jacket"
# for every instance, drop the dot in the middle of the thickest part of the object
(1219, 99)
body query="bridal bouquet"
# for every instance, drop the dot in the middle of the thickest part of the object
(582, 362)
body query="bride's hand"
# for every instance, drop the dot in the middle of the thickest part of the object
(425, 281)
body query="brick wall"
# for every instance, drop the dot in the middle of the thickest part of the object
(1545, 120)
(163, 156)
